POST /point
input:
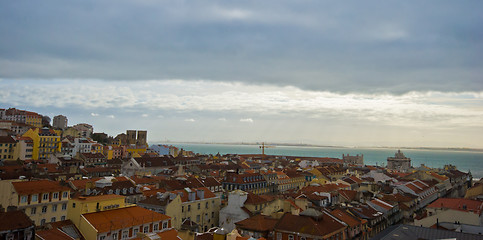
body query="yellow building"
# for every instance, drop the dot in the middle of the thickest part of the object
(43, 201)
(89, 204)
(8, 148)
(135, 150)
(45, 142)
(198, 205)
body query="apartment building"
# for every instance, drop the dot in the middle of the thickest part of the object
(45, 142)
(122, 223)
(43, 201)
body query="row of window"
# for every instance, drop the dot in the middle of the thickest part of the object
(45, 196)
(199, 206)
(145, 229)
(53, 219)
(33, 210)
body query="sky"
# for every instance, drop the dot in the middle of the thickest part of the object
(346, 73)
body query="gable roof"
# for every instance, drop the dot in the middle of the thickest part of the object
(39, 186)
(105, 221)
(325, 225)
(257, 223)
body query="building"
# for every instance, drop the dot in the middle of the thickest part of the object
(59, 122)
(122, 223)
(131, 136)
(22, 116)
(25, 148)
(8, 147)
(198, 205)
(234, 211)
(399, 162)
(16, 225)
(450, 210)
(45, 143)
(254, 182)
(309, 225)
(140, 139)
(43, 201)
(85, 130)
(88, 204)
(353, 160)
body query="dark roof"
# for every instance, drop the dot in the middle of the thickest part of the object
(14, 220)
(7, 139)
(322, 226)
(154, 161)
(257, 223)
(413, 232)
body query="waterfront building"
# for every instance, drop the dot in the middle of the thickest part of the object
(254, 182)
(43, 201)
(399, 162)
(59, 122)
(353, 160)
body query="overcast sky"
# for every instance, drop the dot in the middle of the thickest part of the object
(354, 73)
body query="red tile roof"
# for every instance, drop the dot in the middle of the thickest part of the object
(460, 204)
(14, 220)
(40, 186)
(325, 225)
(257, 223)
(105, 221)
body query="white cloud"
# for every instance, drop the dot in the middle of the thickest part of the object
(111, 116)
(145, 115)
(189, 120)
(222, 119)
(249, 120)
(94, 114)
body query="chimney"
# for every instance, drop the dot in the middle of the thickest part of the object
(191, 196)
(200, 193)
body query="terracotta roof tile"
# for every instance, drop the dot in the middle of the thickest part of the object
(105, 221)
(14, 220)
(257, 223)
(39, 186)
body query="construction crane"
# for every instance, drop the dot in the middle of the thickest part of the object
(264, 146)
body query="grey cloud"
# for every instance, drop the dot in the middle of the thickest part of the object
(370, 46)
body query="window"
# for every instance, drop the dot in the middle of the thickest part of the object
(73, 205)
(64, 194)
(33, 210)
(23, 199)
(114, 236)
(125, 234)
(212, 214)
(182, 208)
(146, 229)
(206, 205)
(56, 195)
(197, 218)
(155, 227)
(165, 224)
(64, 206)
(136, 230)
(44, 209)
(45, 196)
(102, 237)
(62, 218)
(279, 236)
(290, 237)
(35, 198)
(199, 206)
(42, 222)
(189, 208)
(52, 219)
(54, 208)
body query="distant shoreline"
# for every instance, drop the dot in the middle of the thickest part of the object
(322, 146)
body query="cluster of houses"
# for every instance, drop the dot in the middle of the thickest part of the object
(123, 188)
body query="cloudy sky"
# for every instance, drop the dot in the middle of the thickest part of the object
(352, 73)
